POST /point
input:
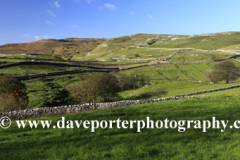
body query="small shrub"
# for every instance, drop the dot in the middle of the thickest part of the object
(160, 92)
(12, 94)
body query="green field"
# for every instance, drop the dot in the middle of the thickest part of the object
(127, 143)
(208, 41)
(23, 70)
(177, 79)
(191, 56)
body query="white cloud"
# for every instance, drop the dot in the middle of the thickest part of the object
(75, 26)
(110, 6)
(132, 12)
(37, 37)
(150, 16)
(48, 22)
(46, 37)
(51, 13)
(26, 35)
(56, 4)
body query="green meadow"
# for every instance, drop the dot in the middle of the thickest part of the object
(177, 79)
(80, 143)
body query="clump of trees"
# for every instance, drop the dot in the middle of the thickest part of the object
(105, 87)
(132, 81)
(13, 94)
(223, 71)
(98, 87)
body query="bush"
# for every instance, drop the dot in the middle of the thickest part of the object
(133, 81)
(9, 103)
(98, 87)
(12, 94)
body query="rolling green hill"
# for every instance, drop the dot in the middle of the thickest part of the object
(131, 49)
(142, 46)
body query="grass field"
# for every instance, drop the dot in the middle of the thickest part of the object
(131, 53)
(177, 79)
(23, 70)
(176, 88)
(190, 56)
(127, 143)
(208, 42)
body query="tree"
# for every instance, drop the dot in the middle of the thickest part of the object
(123, 81)
(85, 91)
(143, 80)
(226, 71)
(101, 85)
(133, 81)
(209, 75)
(13, 94)
(108, 85)
(56, 95)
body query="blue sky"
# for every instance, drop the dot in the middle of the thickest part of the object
(31, 20)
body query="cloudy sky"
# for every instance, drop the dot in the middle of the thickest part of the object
(31, 20)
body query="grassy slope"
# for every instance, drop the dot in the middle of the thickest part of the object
(113, 47)
(126, 46)
(23, 70)
(176, 88)
(162, 76)
(127, 143)
(65, 48)
(143, 53)
(190, 56)
(212, 42)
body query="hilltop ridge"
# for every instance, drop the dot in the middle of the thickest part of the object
(119, 48)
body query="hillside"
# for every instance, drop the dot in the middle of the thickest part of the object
(133, 48)
(142, 46)
(63, 47)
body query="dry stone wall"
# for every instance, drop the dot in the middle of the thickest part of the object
(97, 69)
(38, 112)
(47, 111)
(50, 63)
(88, 63)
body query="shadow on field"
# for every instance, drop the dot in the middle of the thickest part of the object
(142, 96)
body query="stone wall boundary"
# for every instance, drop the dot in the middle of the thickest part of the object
(67, 109)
